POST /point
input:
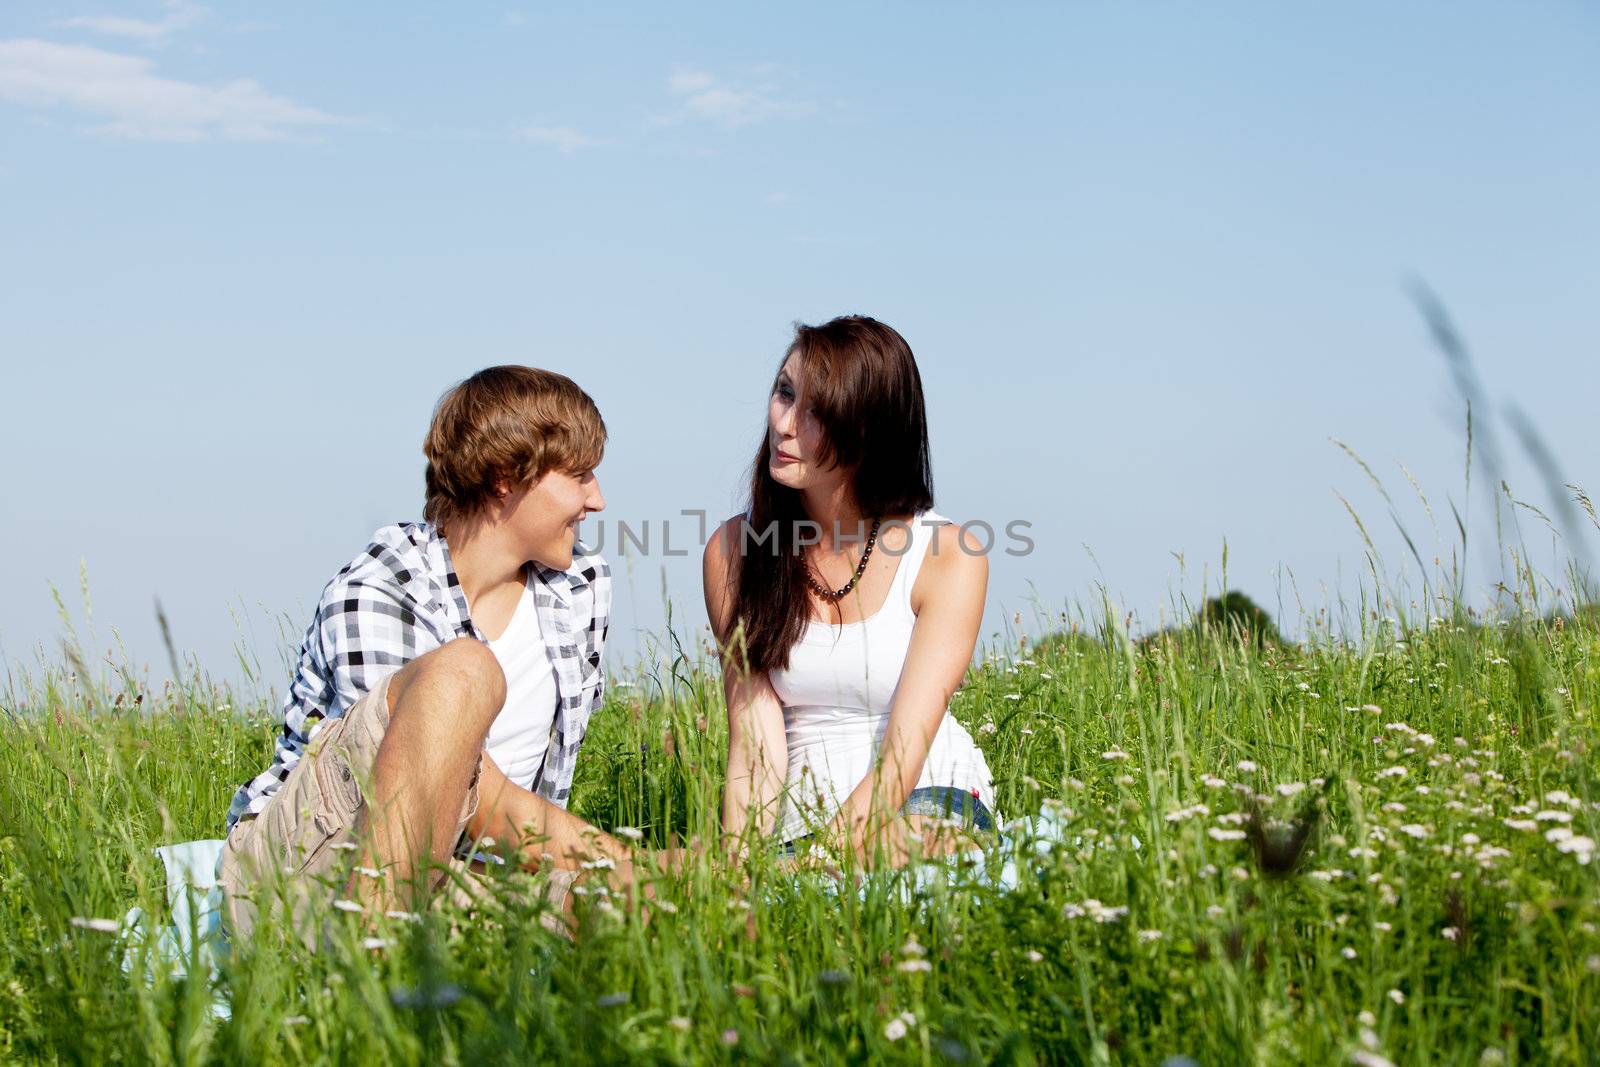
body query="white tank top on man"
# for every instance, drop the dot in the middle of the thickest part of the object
(836, 697)
(520, 734)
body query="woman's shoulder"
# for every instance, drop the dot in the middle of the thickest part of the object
(720, 544)
(955, 557)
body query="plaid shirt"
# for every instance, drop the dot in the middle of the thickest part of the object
(401, 598)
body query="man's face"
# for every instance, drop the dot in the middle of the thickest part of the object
(546, 514)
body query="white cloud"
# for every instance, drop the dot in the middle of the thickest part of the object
(561, 138)
(707, 98)
(180, 16)
(134, 102)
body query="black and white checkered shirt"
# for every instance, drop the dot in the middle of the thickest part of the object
(401, 598)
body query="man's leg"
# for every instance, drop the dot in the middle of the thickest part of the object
(441, 706)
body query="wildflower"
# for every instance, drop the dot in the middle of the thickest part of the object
(1382, 927)
(1396, 771)
(1450, 933)
(988, 728)
(1030, 781)
(347, 905)
(1491, 1057)
(1189, 812)
(1553, 816)
(898, 1027)
(1114, 754)
(1211, 781)
(1033, 955)
(730, 1037)
(1216, 911)
(1366, 1018)
(99, 926)
(1327, 876)
(376, 944)
(1521, 824)
(1364, 1058)
(1397, 996)
(1248, 766)
(1581, 847)
(1013, 696)
(679, 1022)
(1148, 936)
(1470, 839)
(343, 846)
(599, 863)
(1394, 807)
(1373, 708)
(1217, 833)
(403, 916)
(1289, 789)
(1125, 779)
(1416, 830)
(370, 872)
(295, 1020)
(913, 966)
(632, 833)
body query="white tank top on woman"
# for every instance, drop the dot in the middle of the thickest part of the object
(836, 695)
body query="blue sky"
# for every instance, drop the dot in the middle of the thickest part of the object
(1150, 257)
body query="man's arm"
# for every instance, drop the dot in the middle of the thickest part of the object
(539, 830)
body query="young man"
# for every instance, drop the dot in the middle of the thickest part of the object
(449, 673)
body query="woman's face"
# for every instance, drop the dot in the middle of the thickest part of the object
(794, 435)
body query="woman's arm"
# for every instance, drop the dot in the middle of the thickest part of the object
(758, 754)
(954, 580)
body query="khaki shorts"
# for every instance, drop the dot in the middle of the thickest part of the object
(302, 844)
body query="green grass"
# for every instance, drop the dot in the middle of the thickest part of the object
(1430, 920)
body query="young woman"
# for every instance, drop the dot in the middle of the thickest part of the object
(847, 611)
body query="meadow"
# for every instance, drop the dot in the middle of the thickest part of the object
(1375, 848)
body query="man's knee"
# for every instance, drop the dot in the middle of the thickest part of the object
(466, 668)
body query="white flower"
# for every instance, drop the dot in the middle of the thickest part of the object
(373, 944)
(899, 1026)
(1114, 754)
(1396, 771)
(988, 728)
(1363, 1058)
(1248, 766)
(1382, 927)
(1013, 696)
(1217, 833)
(1216, 911)
(1521, 824)
(1581, 847)
(599, 863)
(1289, 789)
(1366, 1018)
(1187, 813)
(1450, 933)
(1416, 830)
(347, 905)
(679, 1022)
(99, 926)
(1147, 936)
(1397, 996)
(911, 966)
(1035, 956)
(632, 833)
(403, 916)
(1553, 816)
(912, 948)
(1211, 781)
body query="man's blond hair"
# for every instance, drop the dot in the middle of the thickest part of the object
(507, 426)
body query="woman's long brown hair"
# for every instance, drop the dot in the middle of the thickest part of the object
(860, 381)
